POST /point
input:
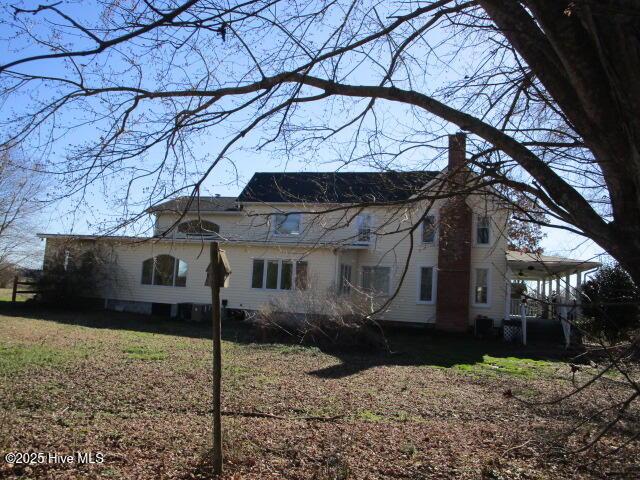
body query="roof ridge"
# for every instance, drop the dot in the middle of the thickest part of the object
(335, 187)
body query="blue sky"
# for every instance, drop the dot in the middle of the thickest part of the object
(99, 205)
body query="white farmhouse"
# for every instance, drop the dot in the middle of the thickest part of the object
(350, 233)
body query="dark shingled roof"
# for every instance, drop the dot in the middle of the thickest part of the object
(203, 204)
(334, 187)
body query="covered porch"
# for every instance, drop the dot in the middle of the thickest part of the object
(544, 291)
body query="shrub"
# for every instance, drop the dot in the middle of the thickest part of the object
(322, 319)
(610, 304)
(74, 275)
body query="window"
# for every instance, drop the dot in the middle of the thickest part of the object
(481, 291)
(286, 224)
(483, 230)
(376, 279)
(363, 223)
(199, 228)
(426, 285)
(181, 273)
(147, 272)
(164, 270)
(302, 269)
(429, 229)
(272, 274)
(344, 286)
(279, 274)
(258, 274)
(286, 276)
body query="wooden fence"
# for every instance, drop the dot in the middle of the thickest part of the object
(17, 282)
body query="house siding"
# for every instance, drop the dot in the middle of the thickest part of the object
(247, 235)
(238, 294)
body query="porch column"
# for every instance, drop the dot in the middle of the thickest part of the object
(545, 307)
(567, 287)
(558, 299)
(538, 288)
(578, 293)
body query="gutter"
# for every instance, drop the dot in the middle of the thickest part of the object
(199, 241)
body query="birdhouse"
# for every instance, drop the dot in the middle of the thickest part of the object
(224, 269)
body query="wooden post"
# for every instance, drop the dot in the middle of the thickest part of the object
(216, 283)
(15, 289)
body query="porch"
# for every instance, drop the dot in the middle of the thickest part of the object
(544, 292)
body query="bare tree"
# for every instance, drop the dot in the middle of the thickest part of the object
(20, 187)
(547, 88)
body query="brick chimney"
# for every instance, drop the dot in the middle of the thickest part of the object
(454, 247)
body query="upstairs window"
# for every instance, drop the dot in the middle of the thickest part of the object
(429, 229)
(483, 230)
(376, 280)
(199, 228)
(286, 224)
(279, 274)
(363, 224)
(164, 270)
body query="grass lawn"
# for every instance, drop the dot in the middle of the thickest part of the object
(139, 390)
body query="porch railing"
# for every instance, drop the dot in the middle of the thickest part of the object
(542, 305)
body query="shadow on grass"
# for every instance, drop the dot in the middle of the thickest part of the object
(408, 346)
(103, 319)
(416, 347)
